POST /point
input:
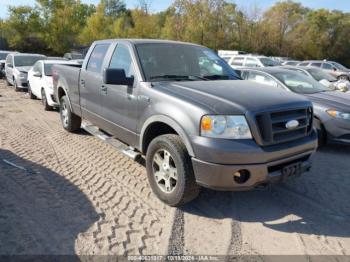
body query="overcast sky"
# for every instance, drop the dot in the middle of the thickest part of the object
(158, 5)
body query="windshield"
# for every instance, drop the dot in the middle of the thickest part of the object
(3, 56)
(269, 62)
(339, 66)
(26, 60)
(182, 62)
(299, 83)
(319, 75)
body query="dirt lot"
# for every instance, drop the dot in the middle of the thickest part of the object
(64, 193)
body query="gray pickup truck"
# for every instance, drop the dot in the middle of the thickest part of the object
(196, 122)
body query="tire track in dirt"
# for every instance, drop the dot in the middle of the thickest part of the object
(131, 220)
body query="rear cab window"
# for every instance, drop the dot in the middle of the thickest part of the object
(97, 57)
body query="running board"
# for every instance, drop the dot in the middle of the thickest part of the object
(120, 146)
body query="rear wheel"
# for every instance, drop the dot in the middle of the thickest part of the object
(70, 121)
(46, 105)
(170, 172)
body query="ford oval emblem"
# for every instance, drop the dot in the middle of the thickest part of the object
(293, 124)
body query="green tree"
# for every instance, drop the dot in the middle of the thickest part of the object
(63, 21)
(22, 29)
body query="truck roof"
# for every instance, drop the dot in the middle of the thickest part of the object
(145, 41)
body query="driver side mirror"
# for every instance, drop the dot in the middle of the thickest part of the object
(334, 69)
(112, 76)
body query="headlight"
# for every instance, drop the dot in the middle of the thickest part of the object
(339, 115)
(229, 127)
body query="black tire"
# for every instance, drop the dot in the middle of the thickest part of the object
(47, 107)
(186, 189)
(343, 77)
(31, 96)
(321, 133)
(73, 122)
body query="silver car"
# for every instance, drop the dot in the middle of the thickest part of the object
(324, 78)
(3, 55)
(335, 69)
(17, 67)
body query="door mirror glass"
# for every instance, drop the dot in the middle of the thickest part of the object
(112, 76)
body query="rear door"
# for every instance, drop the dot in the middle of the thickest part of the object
(119, 102)
(9, 68)
(91, 81)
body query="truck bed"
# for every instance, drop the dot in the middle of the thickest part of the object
(68, 76)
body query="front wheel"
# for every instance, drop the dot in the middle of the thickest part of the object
(70, 121)
(31, 95)
(46, 105)
(170, 172)
(343, 77)
(17, 89)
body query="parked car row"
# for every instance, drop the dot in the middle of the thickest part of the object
(33, 72)
(191, 115)
(331, 108)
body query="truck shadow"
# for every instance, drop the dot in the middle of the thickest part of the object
(41, 213)
(316, 203)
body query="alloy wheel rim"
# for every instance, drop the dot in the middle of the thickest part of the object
(164, 171)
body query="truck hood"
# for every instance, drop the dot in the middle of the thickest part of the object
(233, 96)
(333, 100)
(23, 68)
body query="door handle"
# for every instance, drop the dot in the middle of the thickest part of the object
(104, 90)
(82, 83)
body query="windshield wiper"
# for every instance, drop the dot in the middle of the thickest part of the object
(177, 77)
(217, 77)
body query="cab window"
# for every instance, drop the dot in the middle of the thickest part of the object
(251, 62)
(327, 66)
(316, 64)
(121, 59)
(237, 61)
(37, 67)
(97, 57)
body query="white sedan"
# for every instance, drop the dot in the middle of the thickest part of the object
(40, 84)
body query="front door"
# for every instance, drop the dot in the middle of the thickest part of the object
(119, 102)
(90, 84)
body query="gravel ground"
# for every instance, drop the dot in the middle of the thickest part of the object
(64, 193)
